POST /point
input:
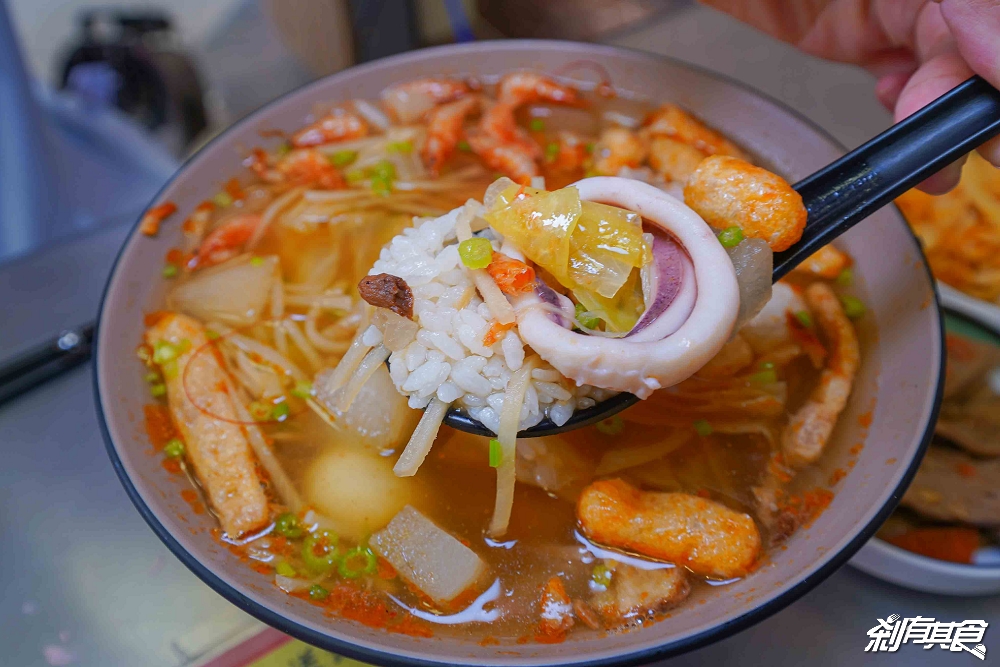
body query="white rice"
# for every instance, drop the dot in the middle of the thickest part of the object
(448, 359)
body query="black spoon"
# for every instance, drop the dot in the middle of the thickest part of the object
(841, 195)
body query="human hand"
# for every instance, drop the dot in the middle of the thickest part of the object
(917, 49)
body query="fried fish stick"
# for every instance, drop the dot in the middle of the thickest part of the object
(702, 535)
(202, 411)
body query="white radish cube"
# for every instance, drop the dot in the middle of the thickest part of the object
(427, 556)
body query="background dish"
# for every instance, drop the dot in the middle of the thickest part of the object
(898, 566)
(897, 392)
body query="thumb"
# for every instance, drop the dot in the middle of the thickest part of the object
(975, 25)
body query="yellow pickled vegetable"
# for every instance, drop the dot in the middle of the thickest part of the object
(592, 249)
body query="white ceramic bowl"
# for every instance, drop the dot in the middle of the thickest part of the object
(897, 386)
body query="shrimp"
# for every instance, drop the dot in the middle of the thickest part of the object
(444, 130)
(512, 160)
(702, 535)
(309, 167)
(226, 241)
(520, 88)
(808, 430)
(502, 144)
(827, 262)
(616, 148)
(339, 125)
(409, 101)
(672, 121)
(727, 191)
(674, 160)
(555, 611)
(570, 154)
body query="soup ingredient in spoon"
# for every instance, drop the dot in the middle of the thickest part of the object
(427, 556)
(203, 413)
(727, 191)
(387, 291)
(809, 428)
(702, 535)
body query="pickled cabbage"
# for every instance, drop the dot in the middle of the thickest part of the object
(593, 249)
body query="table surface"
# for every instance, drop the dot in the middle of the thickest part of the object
(85, 582)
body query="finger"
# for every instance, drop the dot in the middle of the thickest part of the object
(975, 25)
(944, 180)
(889, 87)
(991, 151)
(931, 80)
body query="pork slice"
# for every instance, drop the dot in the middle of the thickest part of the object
(953, 486)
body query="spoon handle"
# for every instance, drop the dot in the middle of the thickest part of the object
(842, 194)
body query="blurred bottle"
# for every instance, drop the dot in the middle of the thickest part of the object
(130, 60)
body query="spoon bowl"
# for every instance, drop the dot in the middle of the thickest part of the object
(841, 195)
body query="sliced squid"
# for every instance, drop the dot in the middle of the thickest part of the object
(691, 306)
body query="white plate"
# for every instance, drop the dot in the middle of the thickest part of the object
(898, 566)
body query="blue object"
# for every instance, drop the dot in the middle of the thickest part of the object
(67, 163)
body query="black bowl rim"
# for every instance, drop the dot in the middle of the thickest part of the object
(390, 659)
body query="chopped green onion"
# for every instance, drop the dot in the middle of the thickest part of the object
(496, 453)
(400, 147)
(590, 173)
(222, 199)
(342, 158)
(284, 569)
(804, 318)
(287, 524)
(164, 352)
(381, 186)
(211, 334)
(853, 306)
(601, 575)
(702, 427)
(845, 278)
(317, 592)
(174, 448)
(730, 237)
(464, 146)
(769, 376)
(359, 560)
(551, 151)
(256, 261)
(170, 271)
(355, 176)
(279, 412)
(153, 378)
(767, 365)
(157, 390)
(169, 369)
(284, 148)
(586, 318)
(183, 345)
(384, 169)
(589, 147)
(319, 551)
(259, 411)
(302, 390)
(476, 253)
(537, 125)
(611, 426)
